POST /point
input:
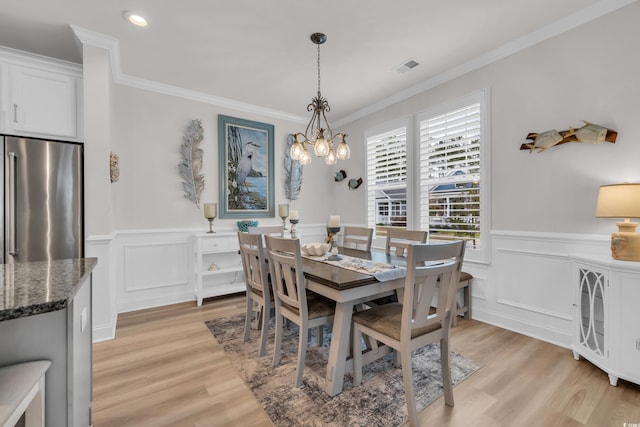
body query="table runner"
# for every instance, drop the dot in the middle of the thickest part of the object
(381, 271)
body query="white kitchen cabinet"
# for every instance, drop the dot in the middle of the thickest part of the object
(607, 319)
(40, 98)
(218, 266)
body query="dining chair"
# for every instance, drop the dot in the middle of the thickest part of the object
(357, 237)
(399, 240)
(410, 325)
(256, 270)
(291, 299)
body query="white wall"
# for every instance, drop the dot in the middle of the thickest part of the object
(588, 73)
(147, 133)
(542, 204)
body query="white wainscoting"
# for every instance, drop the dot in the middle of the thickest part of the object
(527, 288)
(156, 267)
(103, 299)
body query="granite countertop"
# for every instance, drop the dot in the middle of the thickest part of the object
(30, 288)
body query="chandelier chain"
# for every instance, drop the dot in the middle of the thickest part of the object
(318, 70)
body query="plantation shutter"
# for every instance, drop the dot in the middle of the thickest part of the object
(386, 170)
(450, 175)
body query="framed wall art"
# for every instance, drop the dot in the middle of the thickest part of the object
(246, 168)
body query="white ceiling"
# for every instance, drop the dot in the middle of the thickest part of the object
(258, 51)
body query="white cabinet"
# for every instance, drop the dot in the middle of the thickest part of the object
(218, 266)
(40, 98)
(607, 318)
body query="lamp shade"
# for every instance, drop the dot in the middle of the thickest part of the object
(619, 201)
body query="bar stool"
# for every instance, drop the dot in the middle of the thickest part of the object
(22, 392)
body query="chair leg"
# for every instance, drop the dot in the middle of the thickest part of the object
(319, 336)
(446, 371)
(407, 377)
(397, 362)
(266, 312)
(302, 353)
(467, 300)
(248, 316)
(278, 339)
(357, 355)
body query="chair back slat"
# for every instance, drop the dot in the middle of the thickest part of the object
(357, 238)
(273, 230)
(430, 266)
(400, 239)
(285, 263)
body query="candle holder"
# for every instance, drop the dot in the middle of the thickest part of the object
(331, 239)
(283, 212)
(294, 232)
(210, 214)
(284, 224)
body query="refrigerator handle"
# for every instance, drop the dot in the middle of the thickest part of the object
(12, 211)
(15, 113)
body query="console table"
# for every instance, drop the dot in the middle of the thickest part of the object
(607, 315)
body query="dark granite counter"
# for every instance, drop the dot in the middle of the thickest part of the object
(31, 288)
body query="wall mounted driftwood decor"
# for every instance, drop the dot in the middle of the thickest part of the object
(588, 133)
(190, 163)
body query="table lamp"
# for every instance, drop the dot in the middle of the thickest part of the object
(621, 201)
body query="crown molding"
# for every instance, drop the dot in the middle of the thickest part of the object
(112, 45)
(549, 31)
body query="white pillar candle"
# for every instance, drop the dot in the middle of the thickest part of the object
(294, 214)
(283, 210)
(210, 210)
(334, 221)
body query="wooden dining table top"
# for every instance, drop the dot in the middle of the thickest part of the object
(341, 278)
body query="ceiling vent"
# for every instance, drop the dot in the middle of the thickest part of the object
(407, 65)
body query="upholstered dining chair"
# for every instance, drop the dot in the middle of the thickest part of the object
(292, 303)
(259, 297)
(399, 240)
(408, 326)
(357, 237)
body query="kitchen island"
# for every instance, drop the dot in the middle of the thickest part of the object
(45, 314)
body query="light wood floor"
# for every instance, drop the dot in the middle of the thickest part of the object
(165, 369)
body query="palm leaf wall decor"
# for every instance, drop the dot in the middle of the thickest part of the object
(190, 163)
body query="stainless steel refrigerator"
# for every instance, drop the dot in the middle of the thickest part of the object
(42, 202)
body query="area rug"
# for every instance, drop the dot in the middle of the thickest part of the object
(379, 401)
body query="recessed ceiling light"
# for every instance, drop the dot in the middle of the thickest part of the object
(135, 18)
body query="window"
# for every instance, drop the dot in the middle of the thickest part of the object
(448, 195)
(387, 179)
(451, 180)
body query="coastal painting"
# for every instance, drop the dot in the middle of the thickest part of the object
(245, 168)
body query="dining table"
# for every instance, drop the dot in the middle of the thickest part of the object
(349, 288)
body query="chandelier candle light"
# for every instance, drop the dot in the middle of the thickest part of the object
(621, 201)
(318, 134)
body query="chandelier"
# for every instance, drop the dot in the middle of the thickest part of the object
(317, 134)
